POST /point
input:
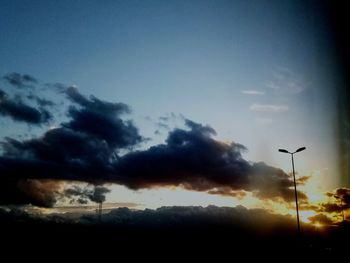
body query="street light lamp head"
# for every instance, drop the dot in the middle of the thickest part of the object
(283, 151)
(300, 149)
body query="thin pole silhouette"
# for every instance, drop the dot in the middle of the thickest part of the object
(296, 195)
(100, 212)
(295, 184)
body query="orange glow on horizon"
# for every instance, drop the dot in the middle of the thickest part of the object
(318, 225)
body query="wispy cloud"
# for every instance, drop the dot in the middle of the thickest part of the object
(268, 108)
(19, 80)
(286, 81)
(252, 92)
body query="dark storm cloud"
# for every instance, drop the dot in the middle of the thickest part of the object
(75, 151)
(19, 111)
(102, 120)
(99, 194)
(60, 146)
(81, 195)
(94, 104)
(2, 94)
(268, 182)
(47, 192)
(86, 148)
(190, 158)
(40, 192)
(194, 160)
(15, 191)
(81, 201)
(19, 80)
(344, 195)
(321, 218)
(339, 201)
(61, 154)
(330, 207)
(115, 131)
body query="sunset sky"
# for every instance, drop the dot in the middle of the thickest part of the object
(198, 80)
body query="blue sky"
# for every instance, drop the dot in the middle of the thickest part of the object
(258, 72)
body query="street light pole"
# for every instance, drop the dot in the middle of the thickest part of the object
(295, 184)
(296, 194)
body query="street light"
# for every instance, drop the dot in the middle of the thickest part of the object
(295, 185)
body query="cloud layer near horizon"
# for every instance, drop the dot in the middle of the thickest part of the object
(87, 148)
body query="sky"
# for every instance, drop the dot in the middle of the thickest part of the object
(259, 73)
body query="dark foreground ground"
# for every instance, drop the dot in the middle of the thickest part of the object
(191, 242)
(179, 233)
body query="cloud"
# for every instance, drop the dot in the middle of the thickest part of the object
(344, 195)
(98, 194)
(47, 192)
(340, 201)
(60, 146)
(102, 120)
(14, 191)
(42, 102)
(329, 212)
(190, 158)
(321, 218)
(41, 192)
(171, 118)
(303, 179)
(194, 160)
(19, 80)
(286, 82)
(252, 92)
(268, 108)
(2, 94)
(161, 125)
(168, 122)
(81, 195)
(227, 191)
(87, 148)
(19, 111)
(330, 207)
(95, 104)
(75, 150)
